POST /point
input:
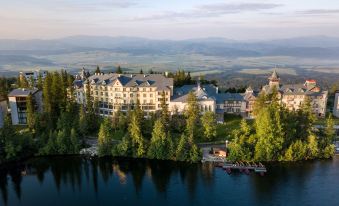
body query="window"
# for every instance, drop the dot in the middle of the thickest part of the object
(151, 95)
(131, 95)
(144, 95)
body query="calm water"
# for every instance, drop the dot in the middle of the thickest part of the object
(77, 181)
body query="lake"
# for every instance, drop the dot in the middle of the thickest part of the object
(74, 180)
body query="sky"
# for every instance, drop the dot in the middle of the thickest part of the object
(169, 19)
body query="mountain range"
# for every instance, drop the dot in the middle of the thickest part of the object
(313, 47)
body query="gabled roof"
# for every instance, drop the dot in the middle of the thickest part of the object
(274, 76)
(22, 92)
(205, 93)
(133, 80)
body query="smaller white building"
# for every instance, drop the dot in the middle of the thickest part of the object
(3, 110)
(208, 99)
(18, 104)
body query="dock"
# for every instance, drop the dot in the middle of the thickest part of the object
(245, 167)
(229, 167)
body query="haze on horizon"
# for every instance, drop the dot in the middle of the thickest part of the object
(176, 19)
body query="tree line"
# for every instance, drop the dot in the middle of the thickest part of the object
(159, 135)
(279, 134)
(63, 126)
(54, 131)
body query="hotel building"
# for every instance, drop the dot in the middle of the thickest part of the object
(18, 104)
(116, 92)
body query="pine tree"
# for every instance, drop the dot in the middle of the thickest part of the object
(329, 132)
(75, 142)
(209, 124)
(312, 147)
(97, 71)
(31, 82)
(82, 121)
(22, 81)
(46, 94)
(165, 116)
(30, 113)
(105, 144)
(61, 142)
(141, 72)
(296, 151)
(192, 116)
(305, 119)
(158, 147)
(7, 134)
(326, 142)
(40, 82)
(270, 134)
(181, 152)
(134, 129)
(119, 70)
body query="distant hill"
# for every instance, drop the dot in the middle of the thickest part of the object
(313, 47)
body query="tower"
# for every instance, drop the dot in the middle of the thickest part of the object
(274, 79)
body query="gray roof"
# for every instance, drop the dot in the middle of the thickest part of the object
(296, 89)
(22, 92)
(300, 89)
(132, 80)
(222, 97)
(207, 92)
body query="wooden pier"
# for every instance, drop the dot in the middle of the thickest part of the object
(245, 167)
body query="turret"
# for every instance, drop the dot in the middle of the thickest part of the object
(274, 79)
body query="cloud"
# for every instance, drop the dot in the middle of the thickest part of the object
(237, 8)
(211, 10)
(319, 11)
(92, 5)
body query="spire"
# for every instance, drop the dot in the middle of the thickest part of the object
(274, 79)
(274, 75)
(198, 84)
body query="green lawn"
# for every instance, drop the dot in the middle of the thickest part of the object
(231, 123)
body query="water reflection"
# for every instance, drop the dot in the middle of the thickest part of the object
(136, 179)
